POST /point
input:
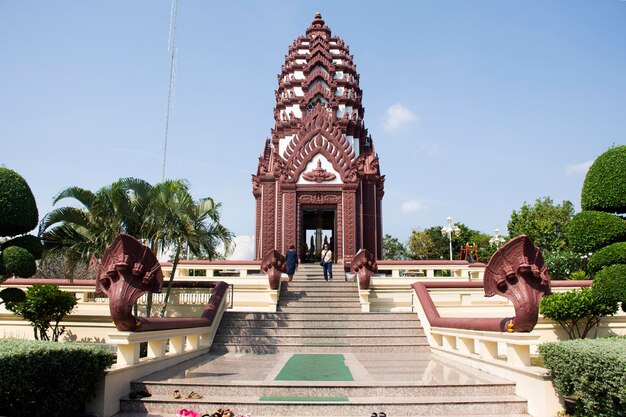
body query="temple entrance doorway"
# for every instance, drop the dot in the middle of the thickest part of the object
(318, 226)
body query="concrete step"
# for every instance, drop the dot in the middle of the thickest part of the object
(306, 331)
(319, 298)
(318, 348)
(353, 406)
(315, 324)
(318, 309)
(321, 292)
(320, 316)
(321, 304)
(328, 389)
(328, 338)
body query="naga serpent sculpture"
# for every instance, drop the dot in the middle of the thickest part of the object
(364, 265)
(274, 264)
(517, 272)
(128, 270)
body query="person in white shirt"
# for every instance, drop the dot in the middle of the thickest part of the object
(327, 262)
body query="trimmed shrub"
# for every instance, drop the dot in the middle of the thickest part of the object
(45, 306)
(592, 230)
(577, 311)
(18, 261)
(607, 256)
(29, 242)
(610, 284)
(595, 370)
(18, 210)
(604, 188)
(51, 379)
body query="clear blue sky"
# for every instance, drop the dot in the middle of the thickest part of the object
(492, 103)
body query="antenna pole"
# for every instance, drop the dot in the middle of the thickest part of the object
(170, 89)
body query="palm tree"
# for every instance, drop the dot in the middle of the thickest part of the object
(176, 219)
(165, 216)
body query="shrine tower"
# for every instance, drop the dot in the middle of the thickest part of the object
(318, 177)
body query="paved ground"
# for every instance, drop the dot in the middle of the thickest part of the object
(364, 368)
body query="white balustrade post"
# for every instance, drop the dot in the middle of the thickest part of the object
(193, 342)
(488, 349)
(518, 355)
(128, 354)
(177, 344)
(449, 342)
(156, 348)
(466, 345)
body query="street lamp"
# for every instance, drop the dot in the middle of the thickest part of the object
(496, 240)
(447, 231)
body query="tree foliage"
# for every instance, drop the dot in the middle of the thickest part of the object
(165, 216)
(544, 222)
(393, 248)
(431, 244)
(607, 256)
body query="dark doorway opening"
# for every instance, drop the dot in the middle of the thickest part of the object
(318, 226)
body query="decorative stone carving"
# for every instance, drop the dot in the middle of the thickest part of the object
(273, 264)
(517, 272)
(364, 265)
(319, 174)
(128, 270)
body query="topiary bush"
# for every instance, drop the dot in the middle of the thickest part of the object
(18, 215)
(18, 261)
(609, 255)
(592, 230)
(604, 188)
(595, 370)
(18, 210)
(610, 284)
(29, 242)
(577, 311)
(49, 379)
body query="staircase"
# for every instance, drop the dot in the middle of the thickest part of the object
(386, 355)
(319, 316)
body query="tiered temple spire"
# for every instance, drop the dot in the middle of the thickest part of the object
(318, 128)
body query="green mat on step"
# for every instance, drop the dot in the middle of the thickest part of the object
(315, 367)
(304, 399)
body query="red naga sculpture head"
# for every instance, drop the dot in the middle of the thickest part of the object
(128, 270)
(517, 272)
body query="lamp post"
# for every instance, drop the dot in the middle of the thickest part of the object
(447, 231)
(496, 240)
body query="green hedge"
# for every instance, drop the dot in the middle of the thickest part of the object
(47, 378)
(592, 230)
(610, 284)
(18, 261)
(29, 242)
(594, 369)
(18, 210)
(604, 188)
(607, 256)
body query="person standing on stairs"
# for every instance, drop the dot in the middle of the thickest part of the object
(327, 262)
(292, 261)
